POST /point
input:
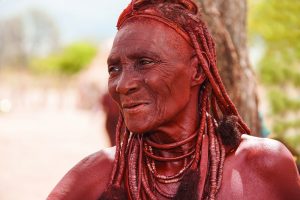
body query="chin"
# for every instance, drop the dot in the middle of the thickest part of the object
(137, 127)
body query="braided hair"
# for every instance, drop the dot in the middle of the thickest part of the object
(220, 123)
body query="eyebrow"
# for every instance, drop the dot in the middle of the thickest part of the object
(147, 53)
(114, 58)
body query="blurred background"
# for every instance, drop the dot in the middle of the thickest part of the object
(53, 102)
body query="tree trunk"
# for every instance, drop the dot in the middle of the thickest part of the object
(227, 22)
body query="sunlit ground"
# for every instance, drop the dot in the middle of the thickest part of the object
(43, 134)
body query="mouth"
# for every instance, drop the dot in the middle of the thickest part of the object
(134, 106)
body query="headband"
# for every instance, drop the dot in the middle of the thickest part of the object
(151, 15)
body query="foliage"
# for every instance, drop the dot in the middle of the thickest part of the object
(69, 61)
(276, 70)
(281, 104)
(284, 126)
(277, 24)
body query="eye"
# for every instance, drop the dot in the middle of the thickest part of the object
(145, 61)
(113, 69)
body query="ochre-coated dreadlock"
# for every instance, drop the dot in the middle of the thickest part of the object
(217, 115)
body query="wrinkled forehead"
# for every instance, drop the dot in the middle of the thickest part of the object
(149, 32)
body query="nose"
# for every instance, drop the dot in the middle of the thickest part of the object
(128, 83)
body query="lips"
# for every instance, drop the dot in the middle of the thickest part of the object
(134, 106)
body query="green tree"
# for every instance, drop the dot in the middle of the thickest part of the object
(276, 23)
(69, 61)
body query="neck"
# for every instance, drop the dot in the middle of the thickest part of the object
(182, 127)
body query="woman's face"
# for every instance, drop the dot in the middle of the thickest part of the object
(150, 74)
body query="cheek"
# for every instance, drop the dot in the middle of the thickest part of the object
(171, 93)
(112, 90)
(169, 84)
(160, 90)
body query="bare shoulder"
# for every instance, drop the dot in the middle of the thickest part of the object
(270, 165)
(266, 154)
(87, 179)
(259, 169)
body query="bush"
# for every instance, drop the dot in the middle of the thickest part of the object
(69, 61)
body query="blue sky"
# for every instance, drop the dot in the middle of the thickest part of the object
(76, 19)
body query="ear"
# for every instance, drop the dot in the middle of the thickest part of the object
(198, 77)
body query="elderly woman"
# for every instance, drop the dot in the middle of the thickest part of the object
(183, 138)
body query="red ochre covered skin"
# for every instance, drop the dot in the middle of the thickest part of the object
(155, 79)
